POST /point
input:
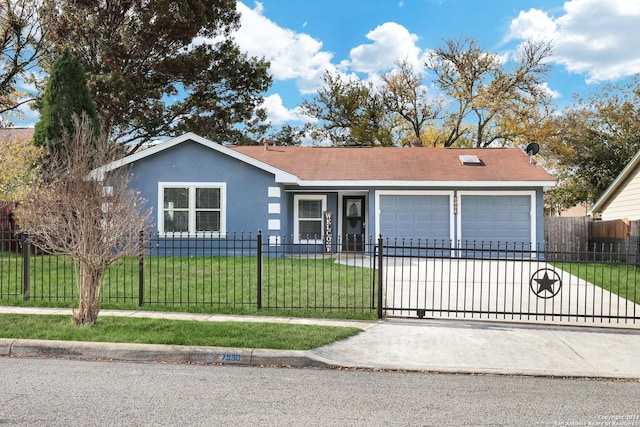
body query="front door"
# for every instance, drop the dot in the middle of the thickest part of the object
(353, 222)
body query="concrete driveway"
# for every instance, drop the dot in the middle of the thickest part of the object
(508, 289)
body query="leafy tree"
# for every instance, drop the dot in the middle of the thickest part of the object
(568, 192)
(488, 96)
(487, 100)
(21, 43)
(597, 137)
(94, 218)
(254, 129)
(161, 68)
(349, 112)
(66, 95)
(18, 158)
(287, 135)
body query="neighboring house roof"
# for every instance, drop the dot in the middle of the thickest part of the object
(10, 134)
(621, 181)
(374, 166)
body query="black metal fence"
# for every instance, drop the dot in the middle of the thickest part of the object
(599, 284)
(246, 273)
(242, 272)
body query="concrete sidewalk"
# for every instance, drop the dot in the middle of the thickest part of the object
(396, 344)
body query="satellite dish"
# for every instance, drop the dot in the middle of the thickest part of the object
(532, 149)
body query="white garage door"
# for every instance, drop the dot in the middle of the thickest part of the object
(415, 216)
(504, 219)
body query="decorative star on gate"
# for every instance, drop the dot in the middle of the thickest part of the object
(546, 283)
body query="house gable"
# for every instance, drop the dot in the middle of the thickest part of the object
(620, 200)
(282, 176)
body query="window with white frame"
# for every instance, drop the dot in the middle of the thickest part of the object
(196, 208)
(307, 225)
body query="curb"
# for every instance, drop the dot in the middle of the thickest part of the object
(155, 353)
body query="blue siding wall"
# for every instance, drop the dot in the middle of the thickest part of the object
(247, 186)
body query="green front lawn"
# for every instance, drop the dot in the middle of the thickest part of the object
(620, 279)
(175, 332)
(317, 287)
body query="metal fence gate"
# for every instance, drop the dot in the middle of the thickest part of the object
(597, 285)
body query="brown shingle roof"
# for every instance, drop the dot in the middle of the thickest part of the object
(398, 164)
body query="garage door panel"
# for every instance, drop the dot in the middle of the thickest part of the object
(420, 217)
(490, 218)
(404, 203)
(415, 216)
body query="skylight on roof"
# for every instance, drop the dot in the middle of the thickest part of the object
(469, 159)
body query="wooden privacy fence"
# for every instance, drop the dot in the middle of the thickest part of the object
(620, 237)
(616, 229)
(566, 233)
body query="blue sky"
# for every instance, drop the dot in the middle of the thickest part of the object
(595, 41)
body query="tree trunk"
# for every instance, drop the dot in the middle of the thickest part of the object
(90, 295)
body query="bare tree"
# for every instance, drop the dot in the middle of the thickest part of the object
(492, 99)
(77, 211)
(405, 95)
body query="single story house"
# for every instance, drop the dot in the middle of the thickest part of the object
(622, 199)
(319, 194)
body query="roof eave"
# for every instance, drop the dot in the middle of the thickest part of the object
(620, 179)
(415, 184)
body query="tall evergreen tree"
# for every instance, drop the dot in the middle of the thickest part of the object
(66, 94)
(161, 68)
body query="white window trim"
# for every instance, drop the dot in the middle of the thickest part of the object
(192, 207)
(296, 217)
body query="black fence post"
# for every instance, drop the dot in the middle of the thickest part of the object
(141, 271)
(26, 266)
(259, 267)
(380, 275)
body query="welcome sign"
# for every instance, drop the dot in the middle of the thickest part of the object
(327, 241)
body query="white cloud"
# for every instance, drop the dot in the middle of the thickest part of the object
(299, 57)
(292, 55)
(391, 41)
(554, 94)
(591, 37)
(277, 113)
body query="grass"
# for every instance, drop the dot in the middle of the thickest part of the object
(314, 287)
(620, 279)
(174, 332)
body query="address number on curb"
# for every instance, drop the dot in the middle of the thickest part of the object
(229, 357)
